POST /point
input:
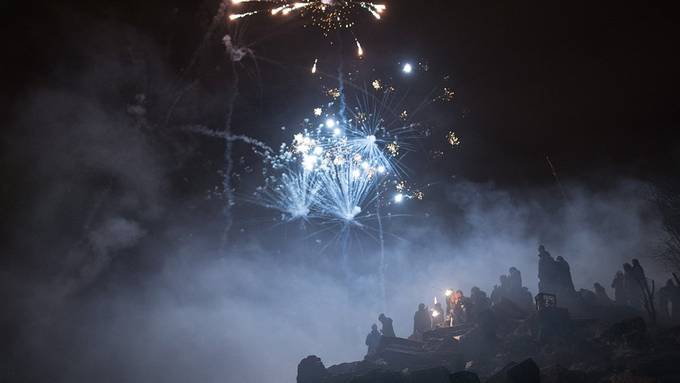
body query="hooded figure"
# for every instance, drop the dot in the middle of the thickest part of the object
(546, 271)
(639, 274)
(500, 291)
(421, 322)
(632, 286)
(665, 294)
(619, 286)
(387, 329)
(373, 340)
(564, 274)
(514, 279)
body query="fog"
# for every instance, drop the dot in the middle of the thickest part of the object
(113, 275)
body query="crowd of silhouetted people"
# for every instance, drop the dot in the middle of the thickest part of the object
(631, 288)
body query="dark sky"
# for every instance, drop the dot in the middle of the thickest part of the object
(593, 85)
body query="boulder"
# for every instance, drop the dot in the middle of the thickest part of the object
(657, 364)
(431, 375)
(559, 374)
(552, 323)
(464, 377)
(631, 332)
(525, 372)
(380, 376)
(311, 370)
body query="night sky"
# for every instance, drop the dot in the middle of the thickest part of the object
(591, 85)
(114, 223)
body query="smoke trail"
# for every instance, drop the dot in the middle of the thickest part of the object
(228, 137)
(381, 267)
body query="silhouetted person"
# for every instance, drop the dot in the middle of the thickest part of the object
(387, 329)
(619, 286)
(546, 271)
(500, 291)
(675, 302)
(421, 322)
(514, 279)
(564, 274)
(633, 291)
(461, 308)
(511, 289)
(373, 340)
(639, 274)
(601, 296)
(665, 295)
(480, 301)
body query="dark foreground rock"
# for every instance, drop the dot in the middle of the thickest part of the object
(552, 347)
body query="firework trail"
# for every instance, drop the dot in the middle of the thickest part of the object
(327, 15)
(200, 129)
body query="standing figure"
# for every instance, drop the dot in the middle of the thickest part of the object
(387, 328)
(421, 322)
(664, 295)
(619, 286)
(675, 303)
(438, 316)
(546, 271)
(480, 301)
(639, 274)
(461, 308)
(514, 279)
(373, 340)
(500, 291)
(632, 286)
(564, 275)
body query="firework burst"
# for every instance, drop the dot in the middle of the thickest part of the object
(328, 15)
(334, 169)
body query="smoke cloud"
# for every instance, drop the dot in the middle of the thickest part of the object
(111, 278)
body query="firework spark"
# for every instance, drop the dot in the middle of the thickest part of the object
(452, 139)
(328, 15)
(360, 50)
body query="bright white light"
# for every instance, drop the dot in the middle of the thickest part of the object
(381, 169)
(398, 198)
(371, 139)
(356, 173)
(408, 68)
(317, 111)
(448, 292)
(365, 165)
(308, 162)
(336, 131)
(330, 123)
(435, 313)
(318, 150)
